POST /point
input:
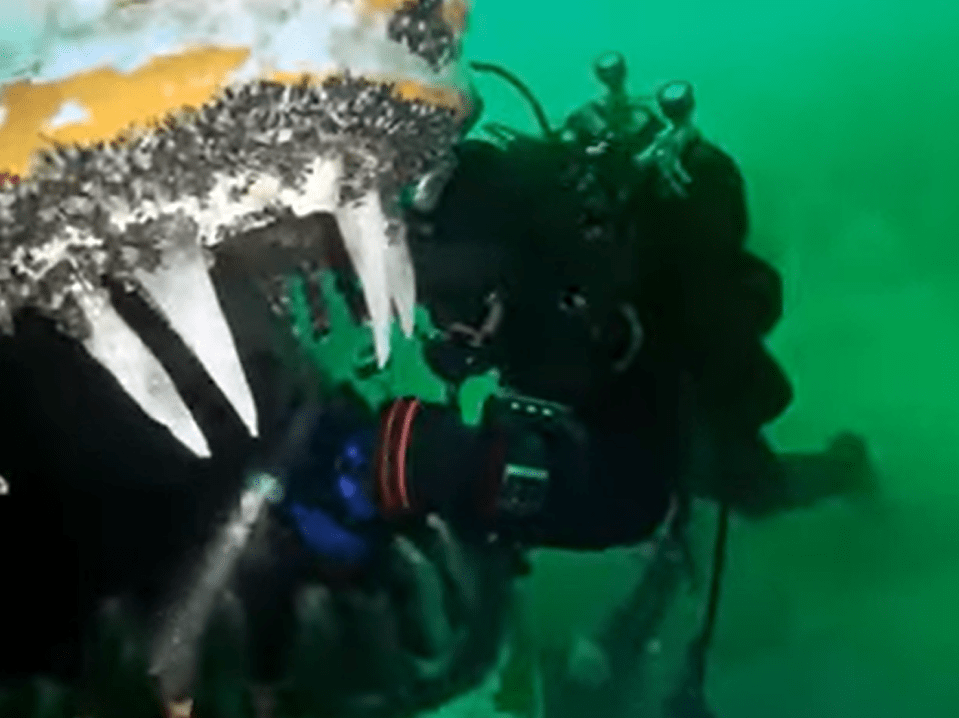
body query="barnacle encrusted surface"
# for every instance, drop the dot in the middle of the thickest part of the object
(420, 25)
(231, 165)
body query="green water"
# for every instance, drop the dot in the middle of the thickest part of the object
(843, 115)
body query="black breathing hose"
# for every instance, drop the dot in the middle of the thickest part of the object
(719, 566)
(521, 87)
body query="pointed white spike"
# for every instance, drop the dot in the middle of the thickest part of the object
(118, 348)
(363, 226)
(183, 291)
(402, 281)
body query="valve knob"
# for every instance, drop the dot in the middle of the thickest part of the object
(610, 69)
(677, 102)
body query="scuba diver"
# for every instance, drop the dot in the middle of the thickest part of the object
(603, 267)
(602, 270)
(635, 289)
(601, 671)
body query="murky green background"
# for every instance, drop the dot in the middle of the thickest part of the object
(844, 116)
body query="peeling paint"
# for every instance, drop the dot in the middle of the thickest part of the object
(70, 113)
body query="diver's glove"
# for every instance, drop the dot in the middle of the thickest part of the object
(321, 472)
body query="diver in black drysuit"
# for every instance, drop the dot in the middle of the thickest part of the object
(611, 259)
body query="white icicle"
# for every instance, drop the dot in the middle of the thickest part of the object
(182, 289)
(402, 281)
(117, 347)
(363, 226)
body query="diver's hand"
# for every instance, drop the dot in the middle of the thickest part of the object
(428, 628)
(324, 467)
(327, 538)
(432, 630)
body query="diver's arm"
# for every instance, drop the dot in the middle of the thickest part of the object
(531, 472)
